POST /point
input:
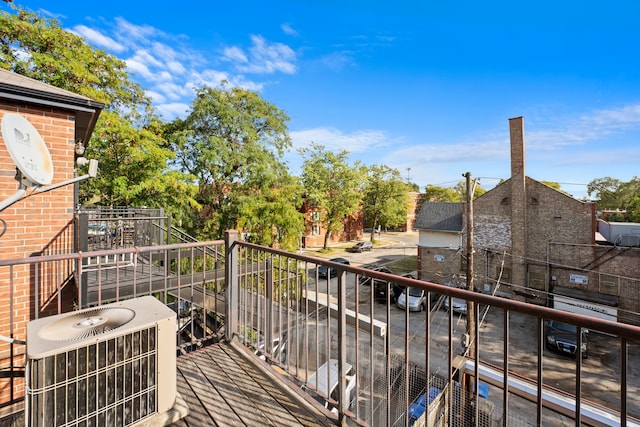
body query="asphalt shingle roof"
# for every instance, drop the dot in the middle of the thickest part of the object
(440, 216)
(19, 88)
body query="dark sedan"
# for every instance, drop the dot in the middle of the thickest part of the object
(324, 271)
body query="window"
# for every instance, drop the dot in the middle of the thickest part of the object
(536, 280)
(315, 230)
(315, 216)
(506, 274)
(609, 284)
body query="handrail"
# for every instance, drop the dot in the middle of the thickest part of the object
(278, 306)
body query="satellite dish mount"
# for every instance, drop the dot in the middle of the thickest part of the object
(34, 167)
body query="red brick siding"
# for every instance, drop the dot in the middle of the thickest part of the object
(32, 224)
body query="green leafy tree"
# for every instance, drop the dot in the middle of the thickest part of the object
(386, 197)
(134, 172)
(461, 190)
(126, 140)
(633, 210)
(332, 185)
(38, 47)
(232, 142)
(414, 187)
(612, 193)
(434, 193)
(552, 184)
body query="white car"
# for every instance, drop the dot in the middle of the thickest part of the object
(417, 299)
(458, 305)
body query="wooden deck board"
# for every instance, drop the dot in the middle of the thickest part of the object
(298, 414)
(257, 397)
(223, 388)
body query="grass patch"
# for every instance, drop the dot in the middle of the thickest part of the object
(404, 265)
(326, 251)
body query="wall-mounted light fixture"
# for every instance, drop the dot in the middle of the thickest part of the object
(79, 148)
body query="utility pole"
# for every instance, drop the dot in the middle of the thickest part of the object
(471, 314)
(470, 335)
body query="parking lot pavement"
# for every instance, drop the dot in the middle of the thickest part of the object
(600, 372)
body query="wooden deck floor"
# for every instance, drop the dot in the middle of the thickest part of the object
(223, 388)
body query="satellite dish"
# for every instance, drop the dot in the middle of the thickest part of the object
(27, 149)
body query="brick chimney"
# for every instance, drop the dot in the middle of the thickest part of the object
(518, 202)
(516, 133)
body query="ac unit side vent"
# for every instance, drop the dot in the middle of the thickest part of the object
(112, 382)
(629, 240)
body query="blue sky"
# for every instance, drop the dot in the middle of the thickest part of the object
(424, 87)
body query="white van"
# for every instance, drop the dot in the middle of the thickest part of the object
(317, 383)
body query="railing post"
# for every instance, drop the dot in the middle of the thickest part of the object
(231, 266)
(343, 401)
(268, 309)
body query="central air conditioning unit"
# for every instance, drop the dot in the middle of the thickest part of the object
(113, 365)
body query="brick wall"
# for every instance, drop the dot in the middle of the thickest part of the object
(32, 224)
(608, 270)
(551, 216)
(439, 265)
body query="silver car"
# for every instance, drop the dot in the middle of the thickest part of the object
(417, 299)
(458, 305)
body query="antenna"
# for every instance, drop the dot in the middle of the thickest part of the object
(34, 167)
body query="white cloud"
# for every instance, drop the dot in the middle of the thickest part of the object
(337, 60)
(139, 69)
(288, 29)
(615, 119)
(156, 97)
(213, 78)
(175, 67)
(173, 90)
(146, 58)
(134, 33)
(170, 111)
(94, 37)
(451, 153)
(334, 139)
(586, 128)
(234, 54)
(50, 14)
(263, 57)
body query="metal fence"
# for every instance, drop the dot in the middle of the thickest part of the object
(310, 317)
(365, 359)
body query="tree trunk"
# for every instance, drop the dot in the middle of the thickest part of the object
(326, 239)
(373, 231)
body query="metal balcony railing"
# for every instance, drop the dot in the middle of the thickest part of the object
(338, 333)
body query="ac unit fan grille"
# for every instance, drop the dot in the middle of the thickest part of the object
(111, 382)
(86, 324)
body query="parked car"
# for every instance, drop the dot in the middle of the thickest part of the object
(328, 371)
(324, 271)
(417, 299)
(367, 280)
(561, 338)
(361, 247)
(380, 290)
(458, 305)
